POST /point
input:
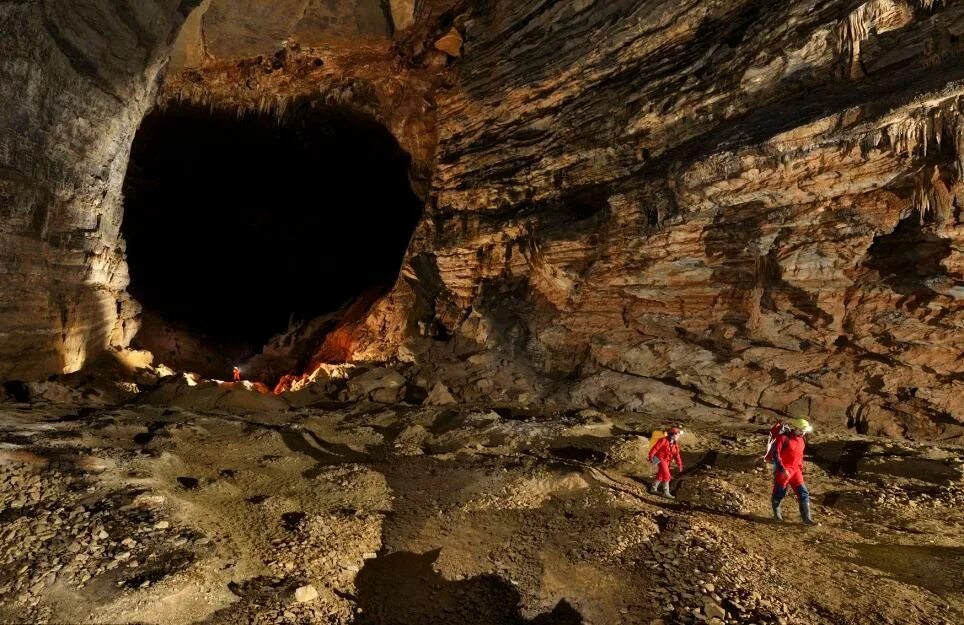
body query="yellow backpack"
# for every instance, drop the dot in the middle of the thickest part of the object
(655, 436)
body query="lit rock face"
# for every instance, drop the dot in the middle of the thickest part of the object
(75, 79)
(246, 28)
(699, 206)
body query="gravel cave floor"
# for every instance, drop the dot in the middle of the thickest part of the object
(396, 514)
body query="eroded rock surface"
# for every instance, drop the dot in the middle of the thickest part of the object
(740, 205)
(247, 28)
(75, 80)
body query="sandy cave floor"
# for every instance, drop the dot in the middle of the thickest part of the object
(396, 514)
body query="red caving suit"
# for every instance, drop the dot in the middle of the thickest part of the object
(667, 452)
(787, 451)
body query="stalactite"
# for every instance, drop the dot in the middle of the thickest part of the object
(932, 199)
(914, 136)
(874, 16)
(918, 133)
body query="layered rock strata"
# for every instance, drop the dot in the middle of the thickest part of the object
(688, 205)
(75, 80)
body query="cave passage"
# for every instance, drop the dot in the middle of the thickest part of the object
(237, 225)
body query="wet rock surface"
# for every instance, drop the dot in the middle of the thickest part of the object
(392, 513)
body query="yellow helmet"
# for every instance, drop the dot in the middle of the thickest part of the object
(800, 424)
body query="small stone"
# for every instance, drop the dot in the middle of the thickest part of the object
(713, 611)
(305, 593)
(162, 525)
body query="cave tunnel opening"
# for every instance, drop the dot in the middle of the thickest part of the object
(239, 225)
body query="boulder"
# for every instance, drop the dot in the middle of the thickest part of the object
(382, 384)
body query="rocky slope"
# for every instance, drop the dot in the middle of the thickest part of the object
(713, 206)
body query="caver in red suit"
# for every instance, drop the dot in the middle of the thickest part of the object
(786, 453)
(665, 452)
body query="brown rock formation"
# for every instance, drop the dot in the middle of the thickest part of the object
(741, 204)
(686, 205)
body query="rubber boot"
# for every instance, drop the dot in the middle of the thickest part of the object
(654, 487)
(805, 517)
(666, 492)
(775, 502)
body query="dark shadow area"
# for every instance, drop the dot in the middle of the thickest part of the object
(238, 225)
(696, 462)
(404, 589)
(18, 390)
(322, 452)
(857, 459)
(935, 568)
(579, 454)
(907, 257)
(850, 456)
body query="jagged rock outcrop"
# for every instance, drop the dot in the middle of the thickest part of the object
(733, 206)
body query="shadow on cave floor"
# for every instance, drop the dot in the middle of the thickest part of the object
(935, 568)
(857, 459)
(322, 452)
(403, 588)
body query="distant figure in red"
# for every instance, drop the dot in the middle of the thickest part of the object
(664, 452)
(786, 454)
(237, 374)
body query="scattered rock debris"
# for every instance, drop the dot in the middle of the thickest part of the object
(383, 514)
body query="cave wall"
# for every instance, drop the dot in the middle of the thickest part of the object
(732, 206)
(231, 29)
(695, 206)
(75, 80)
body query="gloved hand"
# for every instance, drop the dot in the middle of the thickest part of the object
(655, 461)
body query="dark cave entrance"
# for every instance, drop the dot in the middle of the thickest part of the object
(237, 226)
